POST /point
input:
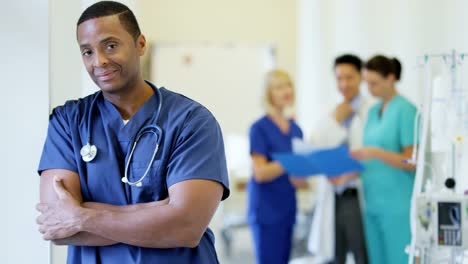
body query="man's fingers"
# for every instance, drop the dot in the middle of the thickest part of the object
(41, 207)
(47, 236)
(59, 188)
(40, 219)
(42, 230)
(53, 234)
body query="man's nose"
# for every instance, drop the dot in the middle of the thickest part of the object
(100, 60)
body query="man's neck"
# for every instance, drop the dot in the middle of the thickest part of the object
(130, 100)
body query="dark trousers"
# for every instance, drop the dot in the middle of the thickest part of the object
(349, 231)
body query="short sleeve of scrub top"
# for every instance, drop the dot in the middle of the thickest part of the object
(258, 142)
(199, 152)
(58, 149)
(406, 120)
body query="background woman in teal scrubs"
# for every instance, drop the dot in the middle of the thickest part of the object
(387, 179)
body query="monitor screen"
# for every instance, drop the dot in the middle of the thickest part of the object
(449, 229)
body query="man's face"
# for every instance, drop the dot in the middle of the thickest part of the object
(348, 79)
(110, 54)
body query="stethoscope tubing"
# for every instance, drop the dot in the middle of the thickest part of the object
(88, 155)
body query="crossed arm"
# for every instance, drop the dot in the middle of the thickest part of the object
(178, 221)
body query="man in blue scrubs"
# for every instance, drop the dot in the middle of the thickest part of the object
(86, 205)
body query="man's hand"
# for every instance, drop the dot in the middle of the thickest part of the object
(340, 180)
(61, 218)
(343, 111)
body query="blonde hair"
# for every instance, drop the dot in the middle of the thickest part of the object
(267, 86)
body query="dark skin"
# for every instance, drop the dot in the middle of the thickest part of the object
(112, 58)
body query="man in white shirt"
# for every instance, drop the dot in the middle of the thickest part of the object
(345, 126)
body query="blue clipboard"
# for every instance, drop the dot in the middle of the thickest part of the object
(330, 162)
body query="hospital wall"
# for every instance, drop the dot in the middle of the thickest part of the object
(219, 22)
(65, 61)
(24, 106)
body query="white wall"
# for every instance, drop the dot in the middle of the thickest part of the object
(24, 105)
(65, 58)
(223, 21)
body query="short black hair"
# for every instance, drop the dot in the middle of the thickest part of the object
(384, 66)
(109, 8)
(349, 59)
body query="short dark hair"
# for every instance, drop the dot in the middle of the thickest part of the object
(384, 66)
(109, 8)
(349, 59)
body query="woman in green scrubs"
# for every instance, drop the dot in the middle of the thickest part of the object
(387, 179)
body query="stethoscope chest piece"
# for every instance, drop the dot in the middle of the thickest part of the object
(88, 152)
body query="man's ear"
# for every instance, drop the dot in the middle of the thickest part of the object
(141, 44)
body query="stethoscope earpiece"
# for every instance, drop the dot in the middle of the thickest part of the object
(137, 184)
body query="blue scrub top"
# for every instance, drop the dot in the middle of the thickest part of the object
(191, 148)
(271, 202)
(386, 188)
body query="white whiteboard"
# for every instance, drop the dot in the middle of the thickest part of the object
(227, 79)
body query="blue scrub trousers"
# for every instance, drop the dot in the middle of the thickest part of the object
(387, 236)
(273, 242)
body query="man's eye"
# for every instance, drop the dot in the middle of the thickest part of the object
(111, 46)
(86, 53)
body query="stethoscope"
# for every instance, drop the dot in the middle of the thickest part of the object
(89, 151)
